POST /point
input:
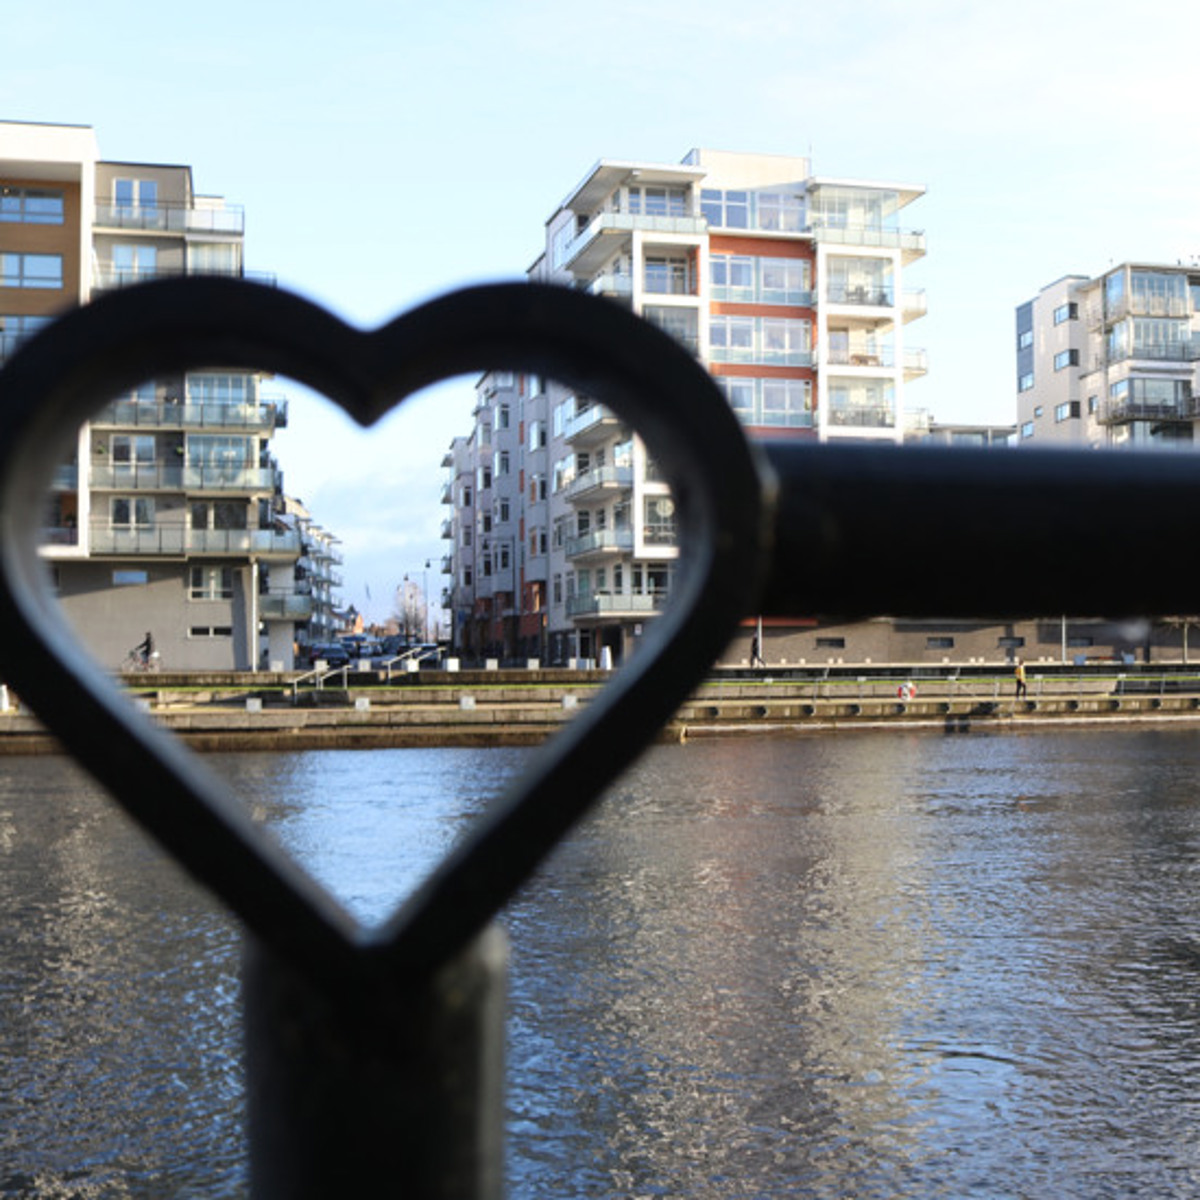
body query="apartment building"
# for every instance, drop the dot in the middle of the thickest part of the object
(790, 288)
(171, 516)
(1111, 360)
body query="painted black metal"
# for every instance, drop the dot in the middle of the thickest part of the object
(314, 968)
(916, 531)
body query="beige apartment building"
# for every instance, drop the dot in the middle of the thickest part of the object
(1111, 360)
(790, 288)
(171, 515)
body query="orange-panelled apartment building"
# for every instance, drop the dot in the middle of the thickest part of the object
(789, 287)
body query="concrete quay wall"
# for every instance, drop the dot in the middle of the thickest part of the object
(517, 708)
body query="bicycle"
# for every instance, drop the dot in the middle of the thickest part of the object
(136, 662)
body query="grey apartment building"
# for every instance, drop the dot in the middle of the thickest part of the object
(1111, 360)
(790, 288)
(171, 516)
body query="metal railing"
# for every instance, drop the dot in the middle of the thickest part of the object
(375, 1055)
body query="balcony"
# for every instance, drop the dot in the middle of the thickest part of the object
(448, 528)
(861, 416)
(153, 477)
(172, 217)
(284, 607)
(601, 480)
(871, 295)
(1185, 351)
(607, 604)
(593, 246)
(591, 426)
(141, 414)
(178, 541)
(1161, 412)
(910, 243)
(107, 276)
(600, 543)
(615, 287)
(913, 304)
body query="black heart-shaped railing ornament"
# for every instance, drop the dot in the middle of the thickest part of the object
(58, 379)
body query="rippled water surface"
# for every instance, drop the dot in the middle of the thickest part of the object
(865, 965)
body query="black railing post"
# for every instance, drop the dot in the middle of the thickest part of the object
(377, 1087)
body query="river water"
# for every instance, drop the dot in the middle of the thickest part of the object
(863, 965)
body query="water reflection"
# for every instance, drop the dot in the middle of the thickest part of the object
(869, 965)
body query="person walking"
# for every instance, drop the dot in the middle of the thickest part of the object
(756, 658)
(1019, 674)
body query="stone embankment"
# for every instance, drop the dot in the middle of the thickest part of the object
(491, 708)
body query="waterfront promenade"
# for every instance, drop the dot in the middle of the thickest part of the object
(362, 709)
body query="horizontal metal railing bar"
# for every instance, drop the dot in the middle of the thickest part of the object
(952, 532)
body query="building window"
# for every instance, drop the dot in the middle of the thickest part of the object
(1093, 403)
(1068, 411)
(831, 643)
(1025, 339)
(1010, 643)
(1025, 384)
(210, 631)
(210, 583)
(132, 450)
(503, 416)
(668, 276)
(133, 194)
(132, 262)
(31, 206)
(1027, 429)
(1066, 312)
(31, 270)
(1080, 641)
(1037, 412)
(132, 512)
(658, 201)
(939, 643)
(130, 578)
(502, 462)
(1066, 358)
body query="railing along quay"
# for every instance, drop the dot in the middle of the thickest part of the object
(374, 1058)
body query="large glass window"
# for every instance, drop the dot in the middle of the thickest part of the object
(668, 276)
(778, 403)
(133, 262)
(769, 340)
(31, 206)
(132, 450)
(868, 403)
(780, 210)
(681, 322)
(132, 194)
(132, 512)
(224, 390)
(658, 201)
(742, 278)
(210, 583)
(733, 277)
(31, 270)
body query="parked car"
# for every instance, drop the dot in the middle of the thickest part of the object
(333, 654)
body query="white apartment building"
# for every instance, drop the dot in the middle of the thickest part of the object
(171, 516)
(1111, 360)
(790, 288)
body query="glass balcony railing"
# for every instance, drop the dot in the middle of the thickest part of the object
(285, 607)
(862, 416)
(153, 477)
(601, 479)
(178, 540)
(172, 217)
(144, 414)
(877, 237)
(610, 604)
(600, 542)
(108, 276)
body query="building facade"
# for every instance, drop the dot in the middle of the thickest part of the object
(171, 516)
(1111, 360)
(790, 289)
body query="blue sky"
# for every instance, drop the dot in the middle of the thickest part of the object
(387, 152)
